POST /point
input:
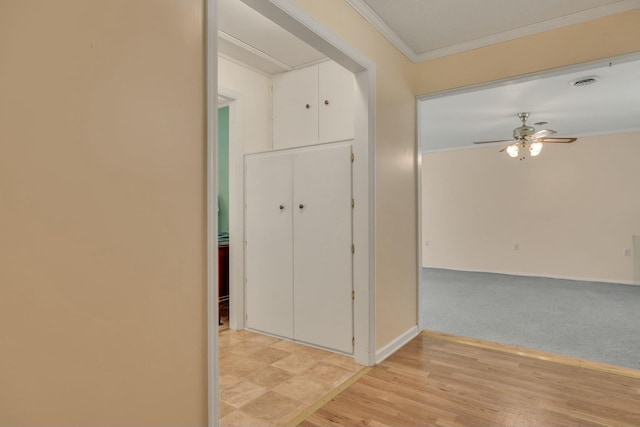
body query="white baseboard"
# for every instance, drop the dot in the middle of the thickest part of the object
(394, 345)
(546, 276)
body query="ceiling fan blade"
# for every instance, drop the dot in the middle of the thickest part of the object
(504, 149)
(490, 142)
(564, 140)
(542, 133)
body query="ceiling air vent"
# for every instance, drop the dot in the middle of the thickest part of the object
(584, 81)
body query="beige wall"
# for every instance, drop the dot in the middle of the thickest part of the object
(572, 210)
(597, 39)
(255, 90)
(102, 227)
(398, 81)
(601, 38)
(102, 266)
(396, 231)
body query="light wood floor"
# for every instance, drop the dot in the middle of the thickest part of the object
(441, 380)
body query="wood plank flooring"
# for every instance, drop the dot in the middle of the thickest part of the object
(440, 381)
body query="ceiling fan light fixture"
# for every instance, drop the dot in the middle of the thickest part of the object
(526, 137)
(513, 150)
(535, 148)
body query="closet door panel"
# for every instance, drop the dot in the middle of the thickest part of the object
(269, 268)
(322, 248)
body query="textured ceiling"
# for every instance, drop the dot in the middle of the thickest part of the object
(424, 29)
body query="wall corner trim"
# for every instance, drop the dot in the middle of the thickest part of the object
(396, 344)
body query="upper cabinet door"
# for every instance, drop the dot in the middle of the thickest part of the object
(336, 92)
(295, 108)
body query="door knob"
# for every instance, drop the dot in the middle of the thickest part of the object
(307, 106)
(281, 207)
(326, 102)
(301, 206)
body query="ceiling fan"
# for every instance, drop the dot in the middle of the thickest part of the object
(526, 137)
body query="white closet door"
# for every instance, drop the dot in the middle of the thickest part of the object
(269, 269)
(322, 248)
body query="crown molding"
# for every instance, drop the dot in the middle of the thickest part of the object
(367, 13)
(575, 18)
(551, 24)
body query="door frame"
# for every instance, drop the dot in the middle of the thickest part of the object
(211, 215)
(233, 100)
(293, 19)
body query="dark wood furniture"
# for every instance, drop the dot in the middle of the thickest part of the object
(223, 275)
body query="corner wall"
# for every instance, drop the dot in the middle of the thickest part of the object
(102, 213)
(396, 205)
(398, 82)
(255, 90)
(572, 210)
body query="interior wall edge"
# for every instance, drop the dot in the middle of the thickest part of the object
(610, 36)
(391, 347)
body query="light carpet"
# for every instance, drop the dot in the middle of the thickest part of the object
(590, 320)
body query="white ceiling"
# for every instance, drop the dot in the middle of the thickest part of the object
(610, 106)
(426, 29)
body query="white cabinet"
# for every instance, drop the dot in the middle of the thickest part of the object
(336, 87)
(295, 108)
(313, 105)
(298, 245)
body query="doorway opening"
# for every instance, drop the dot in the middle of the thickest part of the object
(495, 231)
(291, 18)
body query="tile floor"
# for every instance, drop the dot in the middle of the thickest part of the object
(265, 381)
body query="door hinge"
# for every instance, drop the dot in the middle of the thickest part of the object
(353, 341)
(353, 157)
(353, 249)
(353, 203)
(353, 295)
